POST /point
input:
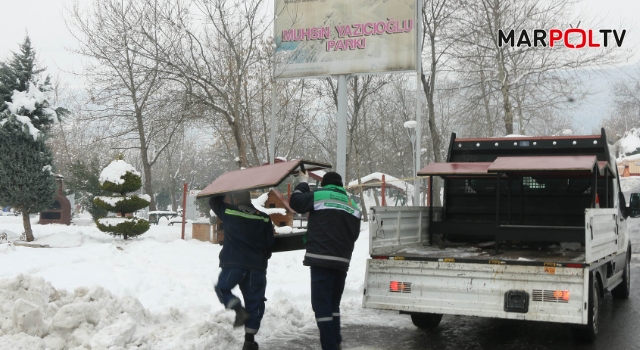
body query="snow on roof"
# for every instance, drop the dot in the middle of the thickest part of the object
(115, 171)
(389, 180)
(626, 159)
(259, 204)
(629, 143)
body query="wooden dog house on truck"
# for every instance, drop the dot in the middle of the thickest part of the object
(263, 177)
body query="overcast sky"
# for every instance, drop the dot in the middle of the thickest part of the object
(43, 20)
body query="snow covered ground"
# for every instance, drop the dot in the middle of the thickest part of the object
(93, 291)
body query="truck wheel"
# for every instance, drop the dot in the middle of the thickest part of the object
(589, 333)
(426, 320)
(621, 291)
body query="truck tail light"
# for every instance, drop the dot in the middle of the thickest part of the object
(561, 295)
(552, 296)
(399, 287)
(380, 257)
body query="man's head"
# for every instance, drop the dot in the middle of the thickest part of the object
(331, 178)
(241, 198)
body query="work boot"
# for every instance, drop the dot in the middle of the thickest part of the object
(241, 316)
(250, 346)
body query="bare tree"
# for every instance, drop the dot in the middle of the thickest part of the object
(524, 76)
(126, 87)
(626, 112)
(212, 49)
(437, 16)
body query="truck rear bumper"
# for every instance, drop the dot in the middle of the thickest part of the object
(555, 294)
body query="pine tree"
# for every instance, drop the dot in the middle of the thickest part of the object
(26, 172)
(19, 72)
(121, 178)
(84, 182)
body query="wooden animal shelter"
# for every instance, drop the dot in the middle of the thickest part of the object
(275, 199)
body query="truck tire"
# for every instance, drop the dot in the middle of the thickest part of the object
(589, 333)
(621, 291)
(426, 320)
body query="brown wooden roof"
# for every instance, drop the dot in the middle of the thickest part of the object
(264, 176)
(530, 138)
(453, 168)
(543, 163)
(517, 164)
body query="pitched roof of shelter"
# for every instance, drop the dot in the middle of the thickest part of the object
(264, 176)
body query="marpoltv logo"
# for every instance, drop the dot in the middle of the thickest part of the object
(572, 38)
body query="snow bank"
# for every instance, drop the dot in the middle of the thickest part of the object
(37, 316)
(94, 291)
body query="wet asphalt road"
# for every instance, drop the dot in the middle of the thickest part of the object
(619, 320)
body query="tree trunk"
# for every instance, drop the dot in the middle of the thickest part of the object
(506, 105)
(428, 86)
(144, 156)
(237, 136)
(26, 223)
(174, 196)
(375, 196)
(486, 103)
(363, 207)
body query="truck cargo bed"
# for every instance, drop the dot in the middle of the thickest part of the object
(525, 255)
(402, 233)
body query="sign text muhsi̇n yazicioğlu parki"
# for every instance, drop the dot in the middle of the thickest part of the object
(351, 36)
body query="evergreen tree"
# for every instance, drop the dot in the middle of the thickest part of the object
(163, 199)
(121, 178)
(84, 183)
(26, 174)
(19, 72)
(26, 164)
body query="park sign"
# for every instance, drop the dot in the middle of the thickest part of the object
(319, 38)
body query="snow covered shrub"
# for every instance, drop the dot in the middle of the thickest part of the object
(121, 178)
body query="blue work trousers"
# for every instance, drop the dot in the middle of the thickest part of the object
(253, 284)
(327, 286)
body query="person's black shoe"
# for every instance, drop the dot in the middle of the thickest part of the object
(250, 346)
(241, 317)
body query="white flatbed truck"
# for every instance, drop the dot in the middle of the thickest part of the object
(521, 234)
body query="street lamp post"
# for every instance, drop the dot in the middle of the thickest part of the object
(411, 131)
